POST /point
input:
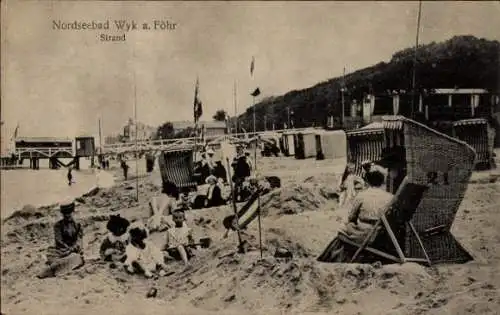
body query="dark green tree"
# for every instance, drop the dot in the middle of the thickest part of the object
(220, 115)
(165, 131)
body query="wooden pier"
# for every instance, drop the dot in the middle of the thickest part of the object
(36, 148)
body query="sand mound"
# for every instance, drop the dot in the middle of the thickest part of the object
(296, 198)
(26, 213)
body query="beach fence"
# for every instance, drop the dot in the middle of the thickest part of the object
(445, 165)
(475, 133)
(364, 145)
(305, 144)
(331, 144)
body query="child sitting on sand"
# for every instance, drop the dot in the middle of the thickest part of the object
(67, 252)
(162, 207)
(113, 247)
(142, 256)
(179, 238)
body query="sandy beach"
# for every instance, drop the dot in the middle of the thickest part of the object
(302, 216)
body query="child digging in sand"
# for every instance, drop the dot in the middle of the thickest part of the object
(179, 238)
(113, 246)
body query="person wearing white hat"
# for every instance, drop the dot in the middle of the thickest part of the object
(214, 194)
(210, 160)
(67, 252)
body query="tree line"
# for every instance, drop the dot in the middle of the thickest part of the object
(460, 62)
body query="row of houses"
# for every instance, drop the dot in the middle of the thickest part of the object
(145, 132)
(440, 104)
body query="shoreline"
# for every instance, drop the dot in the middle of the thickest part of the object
(106, 179)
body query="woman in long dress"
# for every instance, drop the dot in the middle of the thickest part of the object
(67, 252)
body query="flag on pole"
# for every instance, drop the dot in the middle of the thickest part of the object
(16, 132)
(252, 66)
(197, 105)
(256, 92)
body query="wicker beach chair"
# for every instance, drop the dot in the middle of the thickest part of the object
(387, 240)
(177, 166)
(475, 133)
(364, 145)
(428, 157)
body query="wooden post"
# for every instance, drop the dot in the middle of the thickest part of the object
(77, 163)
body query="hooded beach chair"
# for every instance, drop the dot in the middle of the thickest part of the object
(427, 157)
(177, 166)
(475, 133)
(387, 240)
(364, 145)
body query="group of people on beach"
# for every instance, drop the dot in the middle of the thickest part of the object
(126, 244)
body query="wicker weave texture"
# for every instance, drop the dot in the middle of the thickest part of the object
(445, 165)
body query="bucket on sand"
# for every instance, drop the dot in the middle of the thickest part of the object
(205, 242)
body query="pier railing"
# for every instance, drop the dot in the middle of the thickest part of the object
(174, 144)
(47, 152)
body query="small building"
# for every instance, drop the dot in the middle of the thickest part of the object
(85, 146)
(436, 104)
(457, 104)
(131, 132)
(211, 128)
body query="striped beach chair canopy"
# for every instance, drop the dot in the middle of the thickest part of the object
(475, 133)
(444, 164)
(364, 145)
(177, 166)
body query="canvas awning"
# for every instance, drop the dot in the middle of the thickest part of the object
(474, 121)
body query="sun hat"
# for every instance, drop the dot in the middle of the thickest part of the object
(210, 179)
(67, 205)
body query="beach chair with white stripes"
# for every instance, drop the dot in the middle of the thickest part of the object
(475, 133)
(177, 166)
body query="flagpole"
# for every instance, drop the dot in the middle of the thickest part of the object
(415, 60)
(343, 101)
(255, 172)
(136, 136)
(100, 138)
(235, 108)
(252, 66)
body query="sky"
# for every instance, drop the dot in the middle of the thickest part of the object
(59, 83)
